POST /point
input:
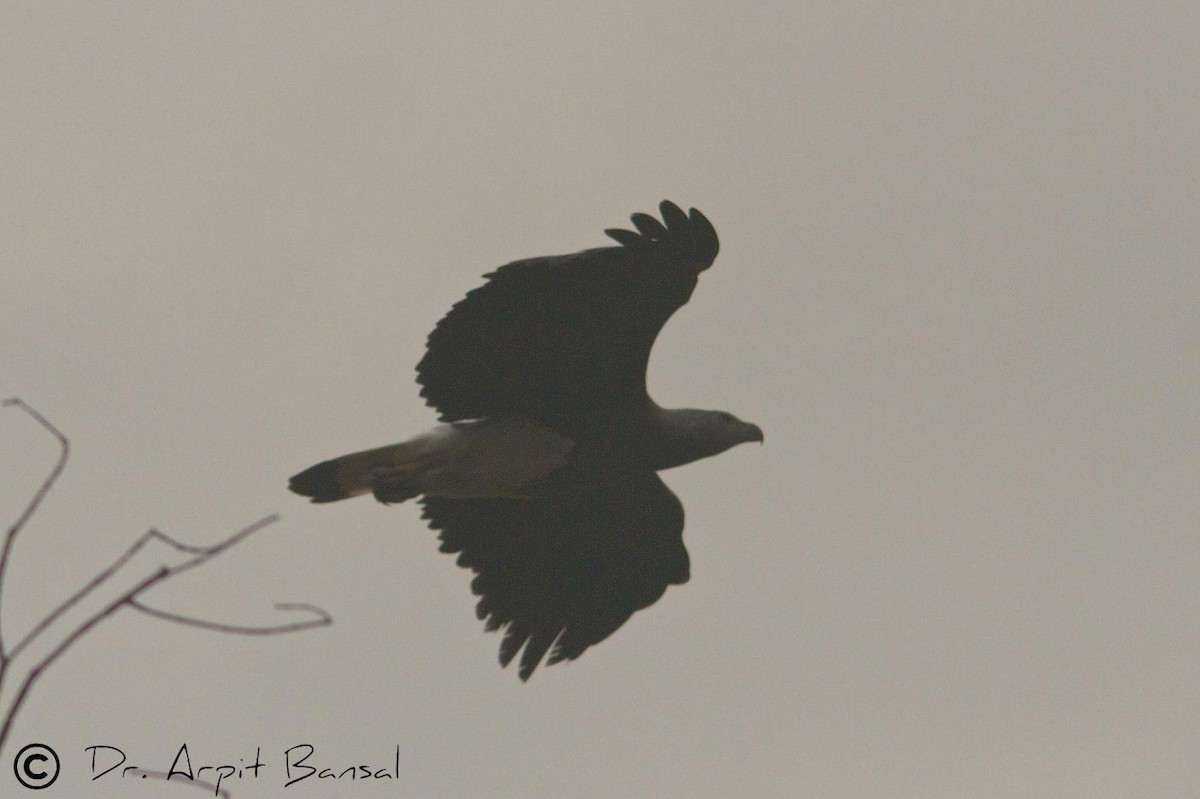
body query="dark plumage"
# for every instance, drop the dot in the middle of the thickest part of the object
(557, 338)
(571, 566)
(544, 481)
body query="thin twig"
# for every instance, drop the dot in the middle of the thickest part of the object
(78, 633)
(205, 554)
(11, 535)
(90, 586)
(323, 620)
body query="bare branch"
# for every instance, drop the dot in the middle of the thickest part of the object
(79, 614)
(11, 535)
(205, 554)
(323, 620)
(90, 586)
(151, 559)
(9, 707)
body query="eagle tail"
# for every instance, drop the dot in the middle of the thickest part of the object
(498, 457)
(320, 482)
(392, 474)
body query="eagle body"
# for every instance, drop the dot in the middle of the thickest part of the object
(543, 477)
(514, 457)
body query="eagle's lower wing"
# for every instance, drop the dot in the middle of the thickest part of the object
(553, 338)
(566, 570)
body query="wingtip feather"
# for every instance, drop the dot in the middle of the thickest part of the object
(626, 238)
(673, 215)
(648, 226)
(705, 236)
(692, 231)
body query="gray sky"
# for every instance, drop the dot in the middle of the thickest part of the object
(957, 288)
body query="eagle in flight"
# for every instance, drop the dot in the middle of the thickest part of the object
(544, 476)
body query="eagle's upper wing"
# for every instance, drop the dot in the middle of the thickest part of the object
(568, 568)
(556, 337)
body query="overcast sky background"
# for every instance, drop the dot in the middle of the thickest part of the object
(957, 288)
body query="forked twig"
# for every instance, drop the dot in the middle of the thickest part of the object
(151, 559)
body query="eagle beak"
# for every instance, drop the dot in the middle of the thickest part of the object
(754, 433)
